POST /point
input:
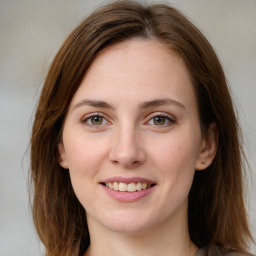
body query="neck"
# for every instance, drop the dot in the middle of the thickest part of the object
(168, 238)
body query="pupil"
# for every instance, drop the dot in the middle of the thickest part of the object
(97, 120)
(159, 120)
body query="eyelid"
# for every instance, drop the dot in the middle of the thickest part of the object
(89, 115)
(162, 114)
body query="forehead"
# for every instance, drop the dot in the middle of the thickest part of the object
(139, 54)
(136, 66)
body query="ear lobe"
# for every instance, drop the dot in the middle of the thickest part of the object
(62, 156)
(208, 148)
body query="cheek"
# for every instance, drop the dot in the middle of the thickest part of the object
(176, 160)
(83, 153)
(85, 160)
(178, 150)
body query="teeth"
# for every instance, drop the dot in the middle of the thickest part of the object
(124, 187)
(115, 186)
(139, 186)
(110, 185)
(131, 187)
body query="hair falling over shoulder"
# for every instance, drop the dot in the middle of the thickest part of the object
(217, 214)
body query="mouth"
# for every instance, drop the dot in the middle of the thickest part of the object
(127, 187)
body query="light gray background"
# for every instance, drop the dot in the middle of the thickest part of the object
(30, 34)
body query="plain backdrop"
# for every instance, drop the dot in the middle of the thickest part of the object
(31, 31)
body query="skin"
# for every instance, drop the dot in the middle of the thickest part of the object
(135, 115)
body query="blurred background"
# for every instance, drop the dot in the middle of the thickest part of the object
(31, 32)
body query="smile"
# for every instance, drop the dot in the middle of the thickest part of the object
(130, 187)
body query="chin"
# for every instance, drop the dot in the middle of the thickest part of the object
(129, 228)
(130, 223)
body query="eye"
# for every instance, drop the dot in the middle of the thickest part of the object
(161, 120)
(95, 120)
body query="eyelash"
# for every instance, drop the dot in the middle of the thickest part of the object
(170, 119)
(167, 118)
(89, 117)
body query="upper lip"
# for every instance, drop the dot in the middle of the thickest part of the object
(128, 180)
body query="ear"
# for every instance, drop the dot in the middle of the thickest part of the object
(208, 148)
(62, 156)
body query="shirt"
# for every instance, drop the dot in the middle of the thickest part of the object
(215, 251)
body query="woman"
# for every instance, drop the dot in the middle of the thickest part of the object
(135, 147)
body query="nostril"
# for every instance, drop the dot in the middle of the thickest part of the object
(126, 154)
(126, 164)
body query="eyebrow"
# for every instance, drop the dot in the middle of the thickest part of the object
(93, 103)
(142, 106)
(160, 102)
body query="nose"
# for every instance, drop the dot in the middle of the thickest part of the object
(126, 149)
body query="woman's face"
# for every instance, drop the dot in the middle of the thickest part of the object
(132, 138)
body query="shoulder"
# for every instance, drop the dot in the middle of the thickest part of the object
(216, 251)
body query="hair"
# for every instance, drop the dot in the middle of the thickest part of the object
(216, 211)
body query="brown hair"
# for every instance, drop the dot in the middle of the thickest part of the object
(217, 214)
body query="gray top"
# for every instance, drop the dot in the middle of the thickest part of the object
(215, 251)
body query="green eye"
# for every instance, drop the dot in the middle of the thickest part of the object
(159, 120)
(95, 120)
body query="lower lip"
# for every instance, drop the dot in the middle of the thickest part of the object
(128, 196)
